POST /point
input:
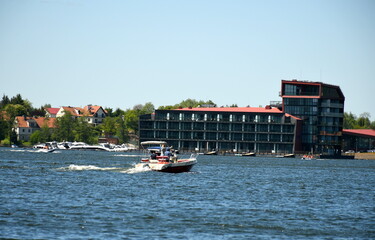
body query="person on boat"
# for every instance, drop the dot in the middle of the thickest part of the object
(173, 156)
(168, 153)
(153, 155)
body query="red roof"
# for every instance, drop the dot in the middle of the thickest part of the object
(288, 115)
(22, 121)
(233, 109)
(53, 111)
(360, 132)
(93, 109)
(71, 110)
(86, 111)
(41, 121)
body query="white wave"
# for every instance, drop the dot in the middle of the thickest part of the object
(74, 167)
(21, 150)
(138, 168)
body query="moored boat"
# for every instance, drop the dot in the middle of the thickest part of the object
(163, 159)
(291, 155)
(248, 154)
(211, 153)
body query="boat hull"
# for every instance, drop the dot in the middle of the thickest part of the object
(176, 167)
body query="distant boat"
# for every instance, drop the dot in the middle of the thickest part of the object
(211, 153)
(84, 146)
(291, 155)
(249, 154)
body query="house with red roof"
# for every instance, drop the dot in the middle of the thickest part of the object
(51, 112)
(25, 126)
(93, 114)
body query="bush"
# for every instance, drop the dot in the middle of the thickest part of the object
(5, 142)
(26, 144)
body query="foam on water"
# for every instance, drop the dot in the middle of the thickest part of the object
(137, 169)
(74, 167)
(22, 150)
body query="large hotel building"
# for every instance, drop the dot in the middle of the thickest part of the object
(309, 119)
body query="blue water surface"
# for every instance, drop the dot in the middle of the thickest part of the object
(100, 195)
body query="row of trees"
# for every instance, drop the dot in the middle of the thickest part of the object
(120, 123)
(351, 121)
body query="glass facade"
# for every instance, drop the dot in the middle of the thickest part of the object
(321, 107)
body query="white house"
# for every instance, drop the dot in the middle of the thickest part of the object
(51, 112)
(93, 114)
(25, 126)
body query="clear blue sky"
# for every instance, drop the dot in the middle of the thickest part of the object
(123, 53)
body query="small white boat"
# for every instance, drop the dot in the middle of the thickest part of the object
(48, 147)
(120, 148)
(161, 158)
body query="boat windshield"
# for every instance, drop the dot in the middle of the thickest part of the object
(154, 143)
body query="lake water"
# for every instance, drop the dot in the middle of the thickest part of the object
(99, 195)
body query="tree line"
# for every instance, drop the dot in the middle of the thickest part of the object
(122, 124)
(351, 121)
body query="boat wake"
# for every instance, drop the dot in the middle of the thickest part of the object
(74, 167)
(137, 169)
(132, 170)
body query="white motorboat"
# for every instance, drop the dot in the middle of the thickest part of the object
(48, 147)
(161, 158)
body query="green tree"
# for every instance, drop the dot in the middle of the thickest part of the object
(147, 108)
(12, 111)
(4, 126)
(4, 101)
(131, 120)
(65, 126)
(38, 112)
(35, 137)
(17, 100)
(45, 134)
(84, 132)
(122, 131)
(349, 121)
(109, 126)
(364, 120)
(188, 103)
(13, 137)
(118, 113)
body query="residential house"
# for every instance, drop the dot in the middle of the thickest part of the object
(51, 112)
(25, 126)
(74, 111)
(92, 113)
